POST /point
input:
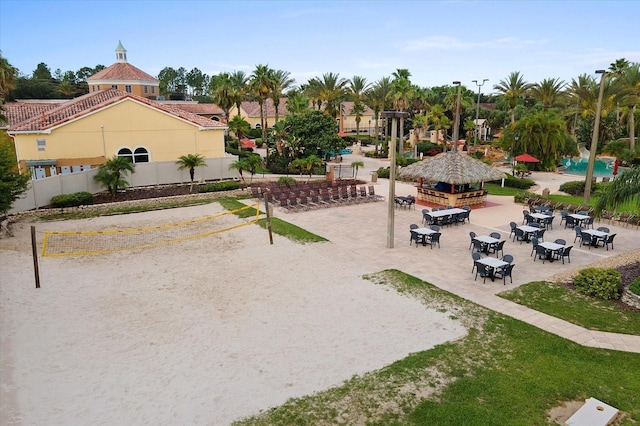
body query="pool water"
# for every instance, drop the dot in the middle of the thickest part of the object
(578, 166)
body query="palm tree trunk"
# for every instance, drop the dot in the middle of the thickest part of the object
(632, 129)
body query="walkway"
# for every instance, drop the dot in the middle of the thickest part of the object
(358, 234)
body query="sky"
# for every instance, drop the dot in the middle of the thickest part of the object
(437, 41)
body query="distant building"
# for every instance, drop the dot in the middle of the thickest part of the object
(484, 130)
(125, 77)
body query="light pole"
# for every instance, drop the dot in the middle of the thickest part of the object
(513, 154)
(456, 123)
(594, 140)
(394, 116)
(104, 147)
(475, 135)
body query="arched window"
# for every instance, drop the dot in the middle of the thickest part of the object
(141, 155)
(126, 153)
(214, 118)
(258, 126)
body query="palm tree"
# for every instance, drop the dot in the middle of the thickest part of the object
(191, 161)
(549, 92)
(261, 83)
(111, 174)
(240, 165)
(439, 121)
(378, 97)
(401, 94)
(221, 90)
(625, 188)
(239, 88)
(297, 103)
(281, 83)
(358, 109)
(356, 165)
(513, 88)
(629, 92)
(307, 164)
(331, 91)
(240, 127)
(253, 163)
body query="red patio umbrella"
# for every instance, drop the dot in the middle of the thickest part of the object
(526, 158)
(615, 167)
(247, 143)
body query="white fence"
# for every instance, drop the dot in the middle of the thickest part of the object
(41, 191)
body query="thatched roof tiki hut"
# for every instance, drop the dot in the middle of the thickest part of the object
(446, 179)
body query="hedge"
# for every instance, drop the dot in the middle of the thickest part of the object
(226, 185)
(599, 282)
(72, 200)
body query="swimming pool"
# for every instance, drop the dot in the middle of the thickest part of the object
(578, 166)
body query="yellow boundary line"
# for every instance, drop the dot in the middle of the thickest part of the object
(163, 243)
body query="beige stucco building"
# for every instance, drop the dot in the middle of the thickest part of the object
(83, 132)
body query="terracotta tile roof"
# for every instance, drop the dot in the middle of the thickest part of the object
(17, 112)
(83, 105)
(252, 108)
(194, 107)
(122, 71)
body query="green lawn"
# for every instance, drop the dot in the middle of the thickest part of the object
(504, 372)
(572, 306)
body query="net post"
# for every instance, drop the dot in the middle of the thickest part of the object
(266, 207)
(34, 250)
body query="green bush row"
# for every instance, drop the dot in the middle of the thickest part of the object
(576, 187)
(514, 182)
(634, 287)
(72, 200)
(226, 185)
(521, 196)
(605, 283)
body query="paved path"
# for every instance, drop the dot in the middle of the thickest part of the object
(359, 233)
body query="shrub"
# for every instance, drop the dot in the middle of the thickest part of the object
(521, 196)
(514, 182)
(576, 187)
(226, 185)
(428, 148)
(384, 173)
(254, 133)
(599, 282)
(72, 200)
(478, 155)
(287, 181)
(634, 287)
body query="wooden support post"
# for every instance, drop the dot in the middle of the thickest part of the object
(266, 207)
(34, 250)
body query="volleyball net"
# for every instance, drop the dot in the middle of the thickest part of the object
(80, 243)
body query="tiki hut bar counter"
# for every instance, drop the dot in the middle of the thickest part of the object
(445, 194)
(451, 179)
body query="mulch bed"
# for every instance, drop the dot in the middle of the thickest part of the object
(143, 193)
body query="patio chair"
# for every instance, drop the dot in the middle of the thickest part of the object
(578, 232)
(505, 272)
(496, 248)
(435, 228)
(560, 241)
(541, 253)
(484, 271)
(475, 256)
(411, 228)
(525, 213)
(586, 239)
(519, 235)
(548, 223)
(434, 239)
(569, 222)
(425, 216)
(540, 234)
(418, 238)
(587, 223)
(609, 240)
(507, 258)
(565, 252)
(255, 192)
(563, 216)
(372, 193)
(495, 235)
(513, 227)
(604, 229)
(535, 225)
(462, 217)
(472, 235)
(534, 244)
(478, 246)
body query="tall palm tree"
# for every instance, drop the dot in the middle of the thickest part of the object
(221, 90)
(578, 92)
(358, 110)
(281, 83)
(239, 88)
(629, 92)
(378, 98)
(190, 162)
(549, 92)
(401, 94)
(513, 88)
(307, 164)
(261, 83)
(239, 126)
(439, 121)
(332, 90)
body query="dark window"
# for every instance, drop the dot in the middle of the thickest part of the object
(141, 155)
(114, 86)
(127, 89)
(126, 153)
